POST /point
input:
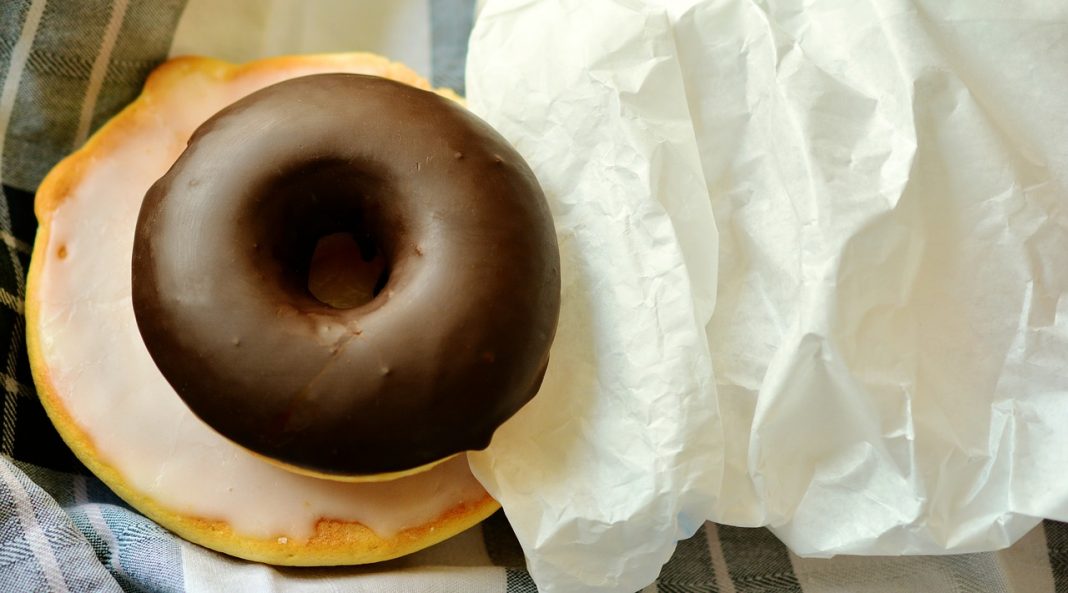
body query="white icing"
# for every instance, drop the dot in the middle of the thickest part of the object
(106, 380)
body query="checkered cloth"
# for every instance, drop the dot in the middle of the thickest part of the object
(66, 66)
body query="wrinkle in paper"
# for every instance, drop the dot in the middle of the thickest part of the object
(814, 261)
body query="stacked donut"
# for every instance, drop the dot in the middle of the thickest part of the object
(279, 339)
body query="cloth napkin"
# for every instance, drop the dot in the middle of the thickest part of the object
(66, 66)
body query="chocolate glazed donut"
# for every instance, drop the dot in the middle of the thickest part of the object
(456, 339)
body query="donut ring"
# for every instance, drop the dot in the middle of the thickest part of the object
(455, 342)
(122, 419)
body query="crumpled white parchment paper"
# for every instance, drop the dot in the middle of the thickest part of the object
(815, 257)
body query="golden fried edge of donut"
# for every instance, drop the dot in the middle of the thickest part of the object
(352, 479)
(334, 542)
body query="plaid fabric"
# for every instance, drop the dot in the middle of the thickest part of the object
(65, 67)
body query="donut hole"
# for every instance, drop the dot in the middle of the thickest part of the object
(345, 274)
(314, 234)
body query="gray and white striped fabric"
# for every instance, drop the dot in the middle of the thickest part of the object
(68, 65)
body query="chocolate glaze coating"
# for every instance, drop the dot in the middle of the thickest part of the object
(453, 345)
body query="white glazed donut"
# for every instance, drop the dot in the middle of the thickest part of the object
(118, 413)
